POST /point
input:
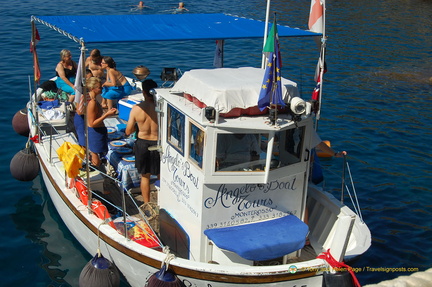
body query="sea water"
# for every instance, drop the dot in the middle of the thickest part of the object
(377, 103)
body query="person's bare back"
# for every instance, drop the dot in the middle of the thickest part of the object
(145, 116)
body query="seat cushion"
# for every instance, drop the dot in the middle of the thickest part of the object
(262, 240)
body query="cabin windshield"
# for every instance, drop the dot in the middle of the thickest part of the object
(248, 152)
(288, 146)
(238, 152)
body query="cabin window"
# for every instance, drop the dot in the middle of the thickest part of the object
(196, 144)
(239, 152)
(290, 145)
(176, 123)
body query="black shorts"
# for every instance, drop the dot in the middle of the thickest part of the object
(146, 161)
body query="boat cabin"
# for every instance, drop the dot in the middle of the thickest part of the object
(225, 165)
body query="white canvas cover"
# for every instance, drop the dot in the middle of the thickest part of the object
(228, 88)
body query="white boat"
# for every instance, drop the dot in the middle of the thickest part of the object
(237, 223)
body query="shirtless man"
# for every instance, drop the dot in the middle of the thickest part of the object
(93, 63)
(144, 117)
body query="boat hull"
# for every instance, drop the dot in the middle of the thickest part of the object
(138, 263)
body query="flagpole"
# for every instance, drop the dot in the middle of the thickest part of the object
(36, 68)
(322, 64)
(273, 118)
(33, 45)
(264, 58)
(33, 28)
(83, 100)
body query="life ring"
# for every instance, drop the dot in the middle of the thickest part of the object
(82, 191)
(102, 212)
(320, 153)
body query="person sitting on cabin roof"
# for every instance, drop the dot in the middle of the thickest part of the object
(234, 149)
(143, 117)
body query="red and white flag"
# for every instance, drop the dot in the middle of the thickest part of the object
(316, 16)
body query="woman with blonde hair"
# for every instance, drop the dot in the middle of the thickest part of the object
(97, 132)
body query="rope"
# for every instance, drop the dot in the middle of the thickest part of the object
(337, 265)
(98, 249)
(168, 258)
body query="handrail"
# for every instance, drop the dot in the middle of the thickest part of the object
(70, 36)
(343, 178)
(352, 195)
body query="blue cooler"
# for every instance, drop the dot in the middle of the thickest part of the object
(124, 108)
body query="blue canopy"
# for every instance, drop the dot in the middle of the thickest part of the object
(163, 27)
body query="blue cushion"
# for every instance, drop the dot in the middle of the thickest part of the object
(262, 240)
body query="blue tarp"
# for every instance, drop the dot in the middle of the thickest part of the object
(161, 27)
(262, 240)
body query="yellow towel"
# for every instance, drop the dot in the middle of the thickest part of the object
(72, 156)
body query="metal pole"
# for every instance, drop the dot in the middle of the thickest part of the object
(265, 33)
(321, 63)
(84, 92)
(124, 214)
(343, 179)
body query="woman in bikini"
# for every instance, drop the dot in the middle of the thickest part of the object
(94, 64)
(66, 71)
(116, 86)
(97, 132)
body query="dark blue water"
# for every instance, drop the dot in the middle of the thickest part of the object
(377, 107)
